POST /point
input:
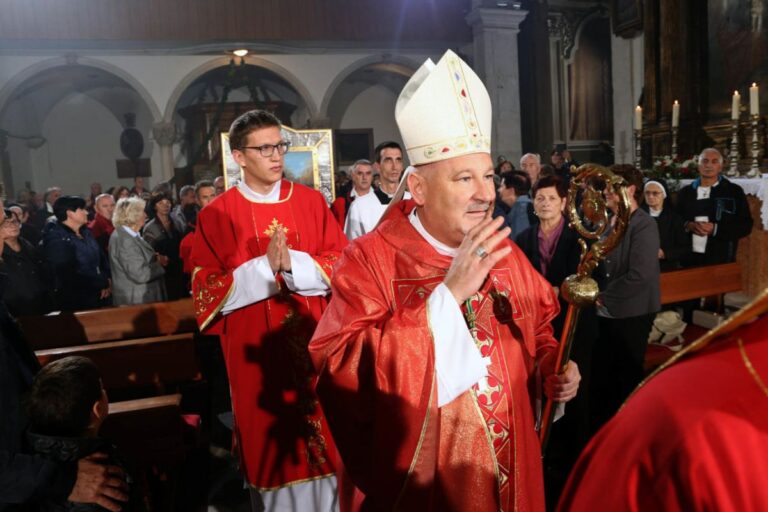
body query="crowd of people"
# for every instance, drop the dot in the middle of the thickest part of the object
(384, 352)
(115, 248)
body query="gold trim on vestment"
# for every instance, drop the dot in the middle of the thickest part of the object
(423, 426)
(323, 274)
(750, 367)
(488, 438)
(221, 304)
(279, 184)
(290, 484)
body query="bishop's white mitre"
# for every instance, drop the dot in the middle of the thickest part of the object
(444, 111)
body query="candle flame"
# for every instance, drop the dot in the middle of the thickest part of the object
(754, 84)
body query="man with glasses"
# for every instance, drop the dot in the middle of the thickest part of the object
(262, 257)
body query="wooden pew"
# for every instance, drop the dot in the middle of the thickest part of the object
(694, 283)
(99, 325)
(142, 352)
(149, 363)
(147, 430)
(688, 284)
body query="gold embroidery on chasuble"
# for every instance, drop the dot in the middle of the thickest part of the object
(275, 226)
(497, 303)
(207, 293)
(290, 313)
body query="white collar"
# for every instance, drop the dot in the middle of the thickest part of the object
(355, 194)
(270, 197)
(130, 231)
(439, 246)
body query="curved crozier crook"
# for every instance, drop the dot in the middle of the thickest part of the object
(595, 211)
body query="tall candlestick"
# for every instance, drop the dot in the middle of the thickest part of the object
(675, 114)
(735, 105)
(754, 170)
(638, 118)
(754, 100)
(733, 169)
(638, 150)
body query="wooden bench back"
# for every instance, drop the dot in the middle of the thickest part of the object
(147, 430)
(140, 363)
(99, 325)
(694, 283)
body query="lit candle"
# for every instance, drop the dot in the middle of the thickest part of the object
(638, 118)
(735, 105)
(675, 114)
(754, 100)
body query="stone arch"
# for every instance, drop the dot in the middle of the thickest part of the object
(20, 78)
(218, 62)
(586, 20)
(358, 65)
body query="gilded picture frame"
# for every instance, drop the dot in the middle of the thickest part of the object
(309, 160)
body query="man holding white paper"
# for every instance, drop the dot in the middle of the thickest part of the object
(715, 212)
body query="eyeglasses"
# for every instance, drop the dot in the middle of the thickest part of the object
(652, 193)
(267, 150)
(11, 221)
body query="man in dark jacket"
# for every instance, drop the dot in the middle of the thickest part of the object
(66, 407)
(715, 212)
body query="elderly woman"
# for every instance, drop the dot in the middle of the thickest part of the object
(26, 292)
(79, 266)
(672, 236)
(165, 237)
(137, 272)
(553, 249)
(627, 303)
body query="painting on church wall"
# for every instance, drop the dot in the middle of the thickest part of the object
(738, 51)
(309, 160)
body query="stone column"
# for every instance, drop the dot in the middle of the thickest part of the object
(164, 134)
(496, 63)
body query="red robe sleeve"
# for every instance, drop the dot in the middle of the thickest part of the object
(376, 378)
(212, 280)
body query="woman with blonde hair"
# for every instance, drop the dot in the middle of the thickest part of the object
(137, 271)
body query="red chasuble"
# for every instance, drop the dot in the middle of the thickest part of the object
(375, 353)
(280, 432)
(694, 437)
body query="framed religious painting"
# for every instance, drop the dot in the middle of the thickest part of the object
(309, 160)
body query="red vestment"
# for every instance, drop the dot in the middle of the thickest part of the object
(339, 209)
(280, 431)
(375, 354)
(185, 252)
(101, 229)
(694, 437)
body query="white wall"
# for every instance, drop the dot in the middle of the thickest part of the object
(159, 79)
(83, 143)
(627, 65)
(373, 108)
